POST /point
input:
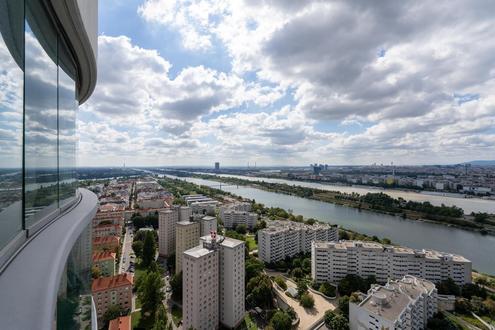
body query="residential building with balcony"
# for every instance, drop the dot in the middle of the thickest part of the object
(405, 303)
(283, 239)
(332, 261)
(112, 290)
(104, 262)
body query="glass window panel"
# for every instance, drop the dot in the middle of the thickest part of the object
(74, 295)
(40, 106)
(67, 106)
(11, 111)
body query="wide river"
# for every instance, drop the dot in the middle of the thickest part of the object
(474, 246)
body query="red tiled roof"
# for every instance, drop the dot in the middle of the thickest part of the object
(110, 282)
(103, 255)
(111, 207)
(106, 239)
(120, 323)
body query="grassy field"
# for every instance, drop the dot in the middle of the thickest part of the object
(251, 243)
(250, 325)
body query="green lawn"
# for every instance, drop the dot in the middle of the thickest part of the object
(176, 314)
(135, 318)
(251, 243)
(137, 322)
(250, 325)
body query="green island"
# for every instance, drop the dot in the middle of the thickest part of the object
(375, 202)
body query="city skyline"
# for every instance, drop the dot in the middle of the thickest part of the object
(264, 82)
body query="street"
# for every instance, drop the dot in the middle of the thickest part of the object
(125, 255)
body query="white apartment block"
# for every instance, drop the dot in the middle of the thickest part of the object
(200, 289)
(187, 234)
(213, 283)
(283, 239)
(208, 225)
(402, 304)
(167, 221)
(232, 218)
(204, 207)
(332, 261)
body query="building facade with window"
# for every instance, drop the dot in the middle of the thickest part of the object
(48, 68)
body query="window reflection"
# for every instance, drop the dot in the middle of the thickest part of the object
(41, 145)
(11, 90)
(67, 106)
(74, 296)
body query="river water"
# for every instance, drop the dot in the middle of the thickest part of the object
(478, 248)
(467, 204)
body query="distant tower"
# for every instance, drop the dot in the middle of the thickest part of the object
(217, 166)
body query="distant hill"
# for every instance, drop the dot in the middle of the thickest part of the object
(482, 162)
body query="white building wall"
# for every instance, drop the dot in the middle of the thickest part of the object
(200, 303)
(332, 262)
(166, 231)
(231, 270)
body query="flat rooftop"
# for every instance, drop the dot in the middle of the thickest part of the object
(391, 300)
(198, 252)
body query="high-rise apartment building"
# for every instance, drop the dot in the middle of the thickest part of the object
(223, 282)
(167, 221)
(187, 235)
(232, 279)
(332, 261)
(406, 303)
(47, 69)
(200, 282)
(283, 239)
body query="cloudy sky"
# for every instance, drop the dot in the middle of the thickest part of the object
(281, 82)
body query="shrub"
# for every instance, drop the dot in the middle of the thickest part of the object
(307, 301)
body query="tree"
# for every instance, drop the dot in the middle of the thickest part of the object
(149, 250)
(259, 291)
(463, 306)
(137, 247)
(306, 265)
(241, 229)
(327, 289)
(253, 267)
(281, 282)
(351, 283)
(280, 321)
(307, 301)
(150, 293)
(344, 305)
(302, 288)
(297, 273)
(335, 321)
(112, 312)
(176, 285)
(95, 272)
(439, 321)
(448, 286)
(310, 221)
(471, 289)
(160, 319)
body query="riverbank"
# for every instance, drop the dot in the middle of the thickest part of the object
(381, 203)
(415, 234)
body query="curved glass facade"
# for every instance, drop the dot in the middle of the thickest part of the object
(38, 106)
(38, 144)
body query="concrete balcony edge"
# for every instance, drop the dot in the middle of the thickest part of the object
(30, 283)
